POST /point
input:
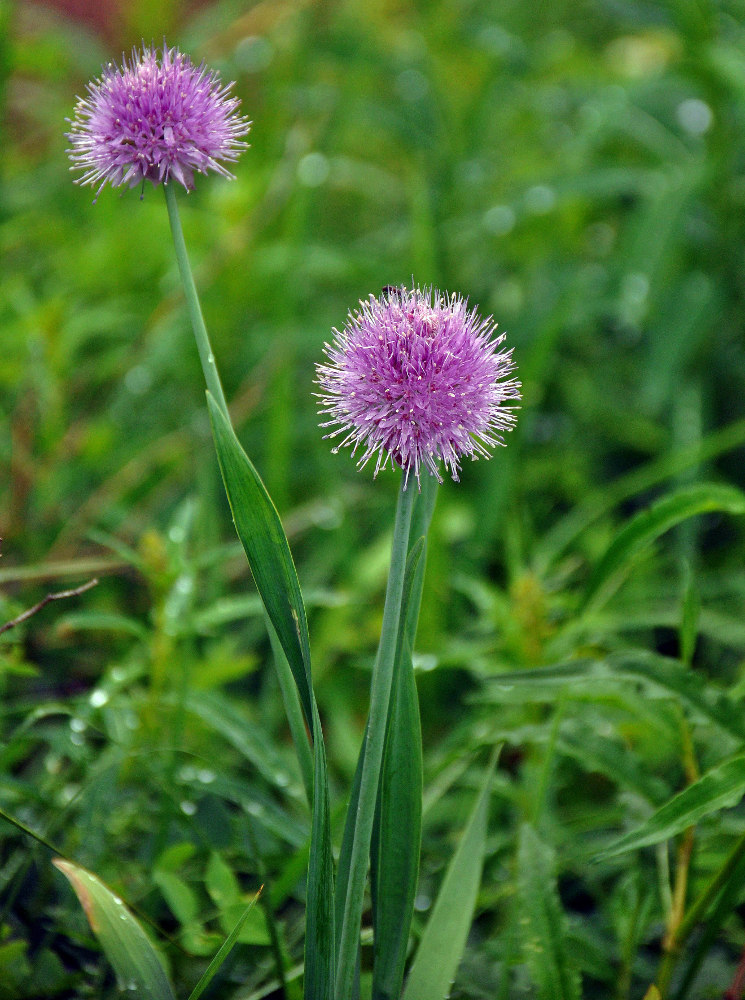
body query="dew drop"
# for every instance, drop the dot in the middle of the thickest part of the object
(176, 534)
(98, 698)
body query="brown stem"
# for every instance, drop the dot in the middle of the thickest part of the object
(58, 596)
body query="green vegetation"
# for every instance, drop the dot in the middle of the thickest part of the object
(577, 170)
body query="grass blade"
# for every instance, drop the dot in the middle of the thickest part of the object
(649, 524)
(721, 787)
(263, 538)
(570, 527)
(345, 853)
(320, 935)
(541, 921)
(380, 696)
(444, 938)
(397, 833)
(214, 967)
(660, 673)
(126, 945)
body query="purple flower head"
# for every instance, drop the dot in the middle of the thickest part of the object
(158, 117)
(417, 378)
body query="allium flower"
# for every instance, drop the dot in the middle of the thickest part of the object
(417, 378)
(157, 118)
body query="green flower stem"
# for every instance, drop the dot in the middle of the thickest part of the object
(379, 700)
(211, 375)
(212, 378)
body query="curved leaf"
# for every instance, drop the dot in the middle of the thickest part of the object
(660, 672)
(558, 539)
(263, 538)
(649, 524)
(720, 788)
(126, 945)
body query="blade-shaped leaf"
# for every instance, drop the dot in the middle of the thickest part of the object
(380, 694)
(126, 945)
(541, 922)
(720, 788)
(263, 538)
(559, 538)
(320, 934)
(661, 673)
(227, 946)
(217, 710)
(649, 524)
(444, 938)
(397, 833)
(345, 851)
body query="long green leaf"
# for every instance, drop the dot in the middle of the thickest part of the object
(720, 788)
(444, 938)
(227, 946)
(649, 524)
(380, 696)
(556, 541)
(659, 672)
(541, 923)
(345, 853)
(421, 518)
(263, 538)
(217, 712)
(397, 833)
(320, 934)
(126, 945)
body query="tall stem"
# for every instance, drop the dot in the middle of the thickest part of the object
(696, 913)
(212, 378)
(379, 700)
(211, 375)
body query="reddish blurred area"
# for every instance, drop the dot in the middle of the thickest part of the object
(116, 21)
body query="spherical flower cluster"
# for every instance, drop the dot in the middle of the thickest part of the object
(418, 378)
(157, 118)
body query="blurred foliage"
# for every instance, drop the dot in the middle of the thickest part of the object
(578, 170)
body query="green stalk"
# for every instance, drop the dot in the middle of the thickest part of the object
(211, 375)
(212, 378)
(696, 914)
(379, 701)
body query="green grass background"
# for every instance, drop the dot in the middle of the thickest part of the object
(578, 171)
